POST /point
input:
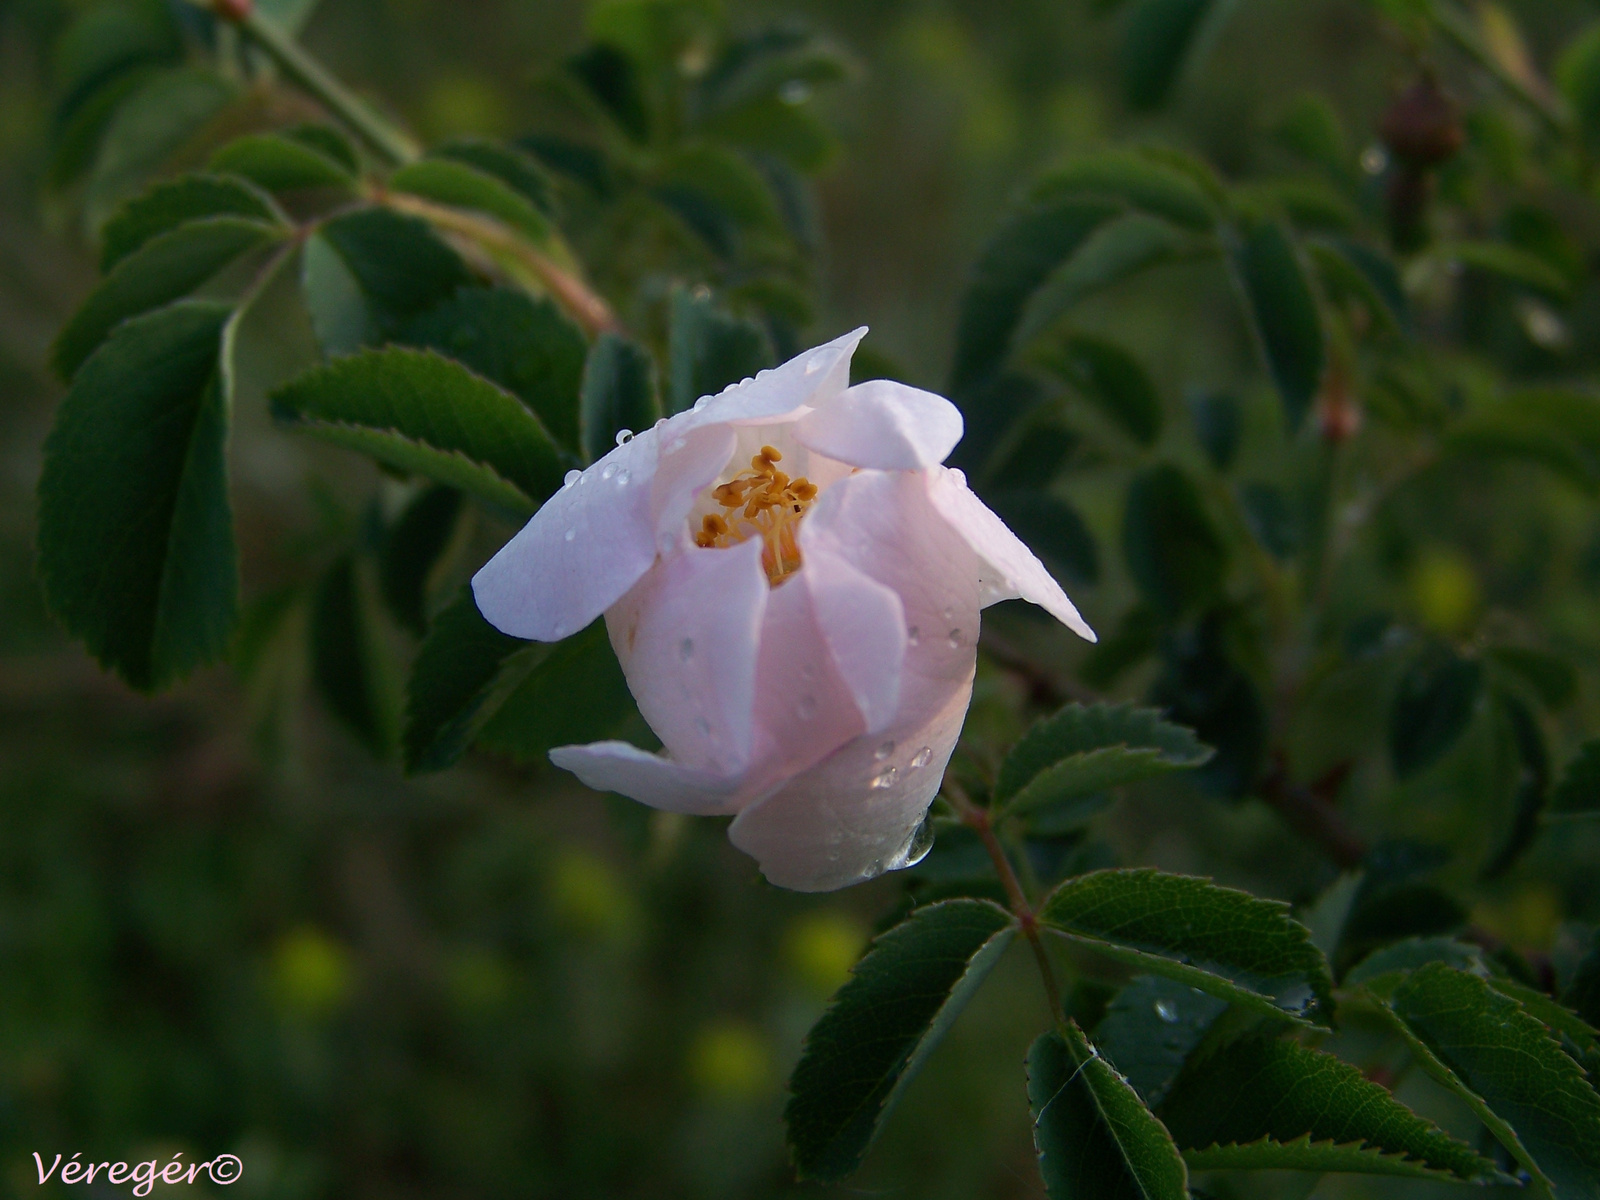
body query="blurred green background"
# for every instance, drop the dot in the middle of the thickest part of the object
(492, 982)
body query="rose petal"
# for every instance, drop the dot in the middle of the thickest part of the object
(649, 778)
(883, 425)
(855, 814)
(863, 624)
(1011, 569)
(786, 391)
(688, 636)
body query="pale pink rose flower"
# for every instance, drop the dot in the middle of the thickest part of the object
(806, 667)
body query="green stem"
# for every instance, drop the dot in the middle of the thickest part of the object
(1459, 33)
(389, 143)
(977, 819)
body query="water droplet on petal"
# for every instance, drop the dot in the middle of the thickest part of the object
(956, 638)
(959, 476)
(686, 649)
(807, 708)
(571, 478)
(623, 477)
(883, 751)
(560, 631)
(813, 366)
(917, 848)
(1167, 1011)
(608, 470)
(913, 636)
(703, 725)
(570, 534)
(884, 779)
(666, 542)
(677, 444)
(949, 614)
(699, 405)
(922, 759)
(624, 436)
(660, 421)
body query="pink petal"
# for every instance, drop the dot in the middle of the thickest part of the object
(855, 814)
(863, 625)
(1010, 569)
(883, 425)
(688, 636)
(650, 778)
(785, 391)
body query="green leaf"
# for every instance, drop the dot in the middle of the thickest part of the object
(425, 414)
(1174, 553)
(1139, 180)
(1511, 264)
(164, 269)
(78, 143)
(1532, 789)
(573, 692)
(176, 202)
(1117, 251)
(619, 392)
(1553, 679)
(136, 549)
(1395, 960)
(1312, 128)
(1151, 1028)
(348, 661)
(1351, 272)
(1432, 708)
(1578, 793)
(1271, 516)
(1113, 381)
(1578, 1038)
(720, 197)
(1095, 1138)
(1486, 1048)
(710, 349)
(149, 131)
(511, 167)
(1082, 749)
(1053, 529)
(1023, 253)
(104, 43)
(1555, 428)
(328, 142)
(526, 345)
(612, 81)
(394, 267)
(1264, 1103)
(1578, 75)
(1583, 993)
(900, 1001)
(1283, 312)
(1309, 204)
(282, 164)
(461, 185)
(465, 668)
(1217, 422)
(1229, 943)
(411, 549)
(770, 124)
(1155, 43)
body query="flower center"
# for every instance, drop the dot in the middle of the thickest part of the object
(761, 502)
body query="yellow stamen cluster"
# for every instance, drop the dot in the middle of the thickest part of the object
(761, 502)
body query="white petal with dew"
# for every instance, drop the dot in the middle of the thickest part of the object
(883, 425)
(688, 636)
(786, 391)
(649, 778)
(1011, 569)
(864, 626)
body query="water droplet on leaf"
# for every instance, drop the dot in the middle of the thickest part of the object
(1166, 1011)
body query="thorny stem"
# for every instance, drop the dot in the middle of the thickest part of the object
(977, 819)
(588, 308)
(389, 143)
